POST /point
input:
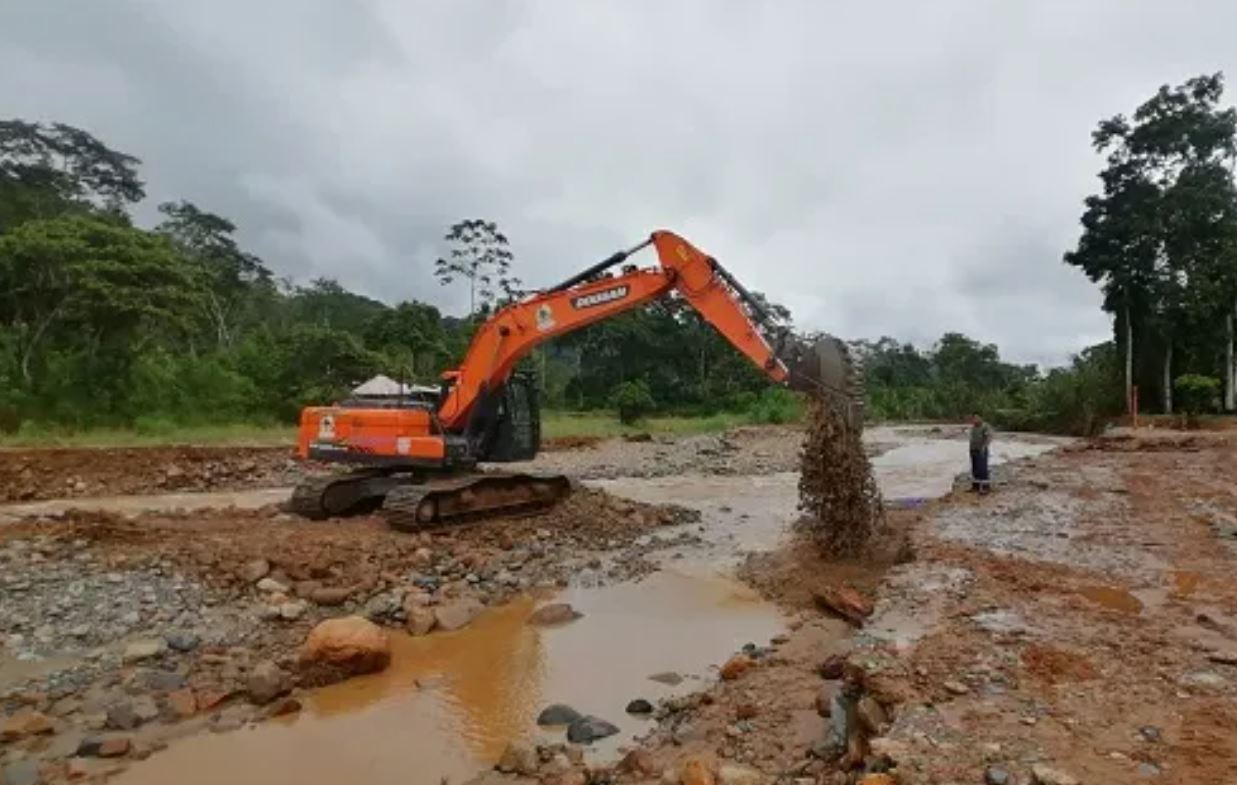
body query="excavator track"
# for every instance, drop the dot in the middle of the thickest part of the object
(334, 495)
(466, 500)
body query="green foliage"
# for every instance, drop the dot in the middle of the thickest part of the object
(1197, 394)
(1161, 236)
(632, 400)
(775, 406)
(1076, 400)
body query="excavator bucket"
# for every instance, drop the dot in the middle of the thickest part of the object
(825, 366)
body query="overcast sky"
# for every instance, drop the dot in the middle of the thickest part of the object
(900, 168)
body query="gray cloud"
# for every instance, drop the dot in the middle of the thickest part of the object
(903, 168)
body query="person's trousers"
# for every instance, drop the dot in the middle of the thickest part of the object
(979, 470)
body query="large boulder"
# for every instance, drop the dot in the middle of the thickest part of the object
(351, 643)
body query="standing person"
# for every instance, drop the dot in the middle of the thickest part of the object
(981, 439)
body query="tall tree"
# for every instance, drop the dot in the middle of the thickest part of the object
(479, 254)
(232, 278)
(1159, 225)
(46, 170)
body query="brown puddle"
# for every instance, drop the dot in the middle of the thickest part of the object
(1114, 598)
(482, 688)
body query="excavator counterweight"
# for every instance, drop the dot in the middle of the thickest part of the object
(416, 459)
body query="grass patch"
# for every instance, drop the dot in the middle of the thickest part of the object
(151, 434)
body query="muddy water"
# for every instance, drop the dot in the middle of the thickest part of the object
(922, 464)
(450, 703)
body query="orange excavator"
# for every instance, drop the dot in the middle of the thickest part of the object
(416, 459)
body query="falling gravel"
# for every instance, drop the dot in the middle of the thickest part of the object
(838, 495)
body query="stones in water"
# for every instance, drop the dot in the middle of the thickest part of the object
(457, 614)
(588, 729)
(558, 714)
(837, 491)
(420, 619)
(519, 758)
(736, 666)
(553, 614)
(639, 706)
(668, 678)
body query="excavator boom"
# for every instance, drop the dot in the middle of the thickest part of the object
(485, 416)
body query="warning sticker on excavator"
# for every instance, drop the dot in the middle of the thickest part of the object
(600, 298)
(326, 427)
(545, 317)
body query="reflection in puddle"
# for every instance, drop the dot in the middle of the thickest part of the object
(482, 687)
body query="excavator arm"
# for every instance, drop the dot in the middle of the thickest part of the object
(514, 331)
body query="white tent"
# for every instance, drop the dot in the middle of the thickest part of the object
(385, 387)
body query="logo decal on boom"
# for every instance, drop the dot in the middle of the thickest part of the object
(600, 298)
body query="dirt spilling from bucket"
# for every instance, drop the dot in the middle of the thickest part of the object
(838, 495)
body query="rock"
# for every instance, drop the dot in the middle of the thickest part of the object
(209, 699)
(555, 613)
(1151, 733)
(746, 711)
(350, 642)
(557, 714)
(833, 667)
(996, 775)
(24, 724)
(456, 614)
(266, 682)
(182, 704)
(291, 611)
(182, 641)
(1045, 775)
(639, 706)
(271, 586)
(121, 716)
(668, 678)
(730, 774)
(871, 714)
(145, 709)
(639, 762)
(844, 602)
(697, 770)
(254, 571)
(421, 619)
(330, 596)
(1205, 679)
(825, 695)
(143, 650)
(876, 779)
(20, 772)
(107, 747)
(588, 729)
(164, 681)
(519, 758)
(285, 707)
(956, 687)
(736, 666)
